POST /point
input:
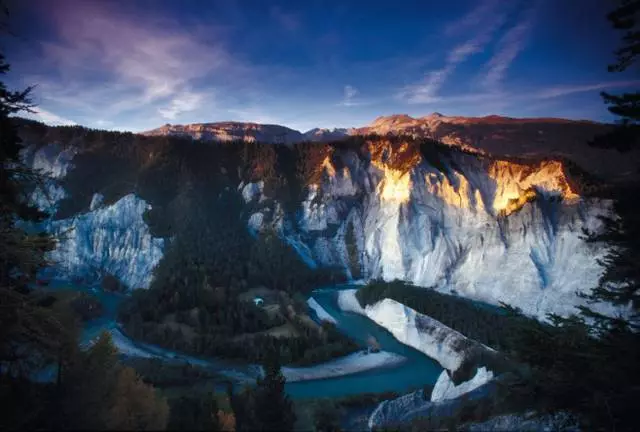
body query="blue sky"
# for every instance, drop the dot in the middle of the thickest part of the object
(137, 64)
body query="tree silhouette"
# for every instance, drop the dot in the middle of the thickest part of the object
(625, 137)
(273, 408)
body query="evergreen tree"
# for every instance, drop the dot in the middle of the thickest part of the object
(242, 405)
(326, 417)
(195, 413)
(97, 392)
(625, 137)
(273, 408)
(589, 364)
(620, 283)
(31, 335)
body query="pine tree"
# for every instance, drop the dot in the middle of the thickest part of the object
(97, 392)
(273, 408)
(625, 137)
(326, 417)
(589, 364)
(31, 335)
(620, 284)
(28, 332)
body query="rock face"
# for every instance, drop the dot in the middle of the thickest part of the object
(425, 334)
(231, 131)
(495, 135)
(397, 413)
(446, 389)
(111, 239)
(462, 226)
(489, 229)
(506, 136)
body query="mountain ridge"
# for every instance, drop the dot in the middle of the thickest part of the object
(494, 135)
(383, 119)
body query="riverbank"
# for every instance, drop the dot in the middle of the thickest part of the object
(396, 368)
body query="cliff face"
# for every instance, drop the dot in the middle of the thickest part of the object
(448, 347)
(491, 135)
(521, 137)
(489, 229)
(102, 239)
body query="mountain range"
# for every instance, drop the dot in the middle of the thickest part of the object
(531, 138)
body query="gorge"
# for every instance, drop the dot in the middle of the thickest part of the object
(495, 230)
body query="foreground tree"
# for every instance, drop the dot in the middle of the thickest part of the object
(589, 364)
(45, 380)
(326, 417)
(99, 393)
(273, 408)
(626, 19)
(31, 335)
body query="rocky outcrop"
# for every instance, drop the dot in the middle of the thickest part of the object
(448, 347)
(112, 239)
(109, 239)
(531, 138)
(231, 131)
(457, 223)
(445, 388)
(489, 229)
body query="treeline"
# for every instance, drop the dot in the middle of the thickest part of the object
(79, 390)
(193, 305)
(493, 326)
(237, 331)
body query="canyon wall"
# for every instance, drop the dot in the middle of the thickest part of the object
(488, 229)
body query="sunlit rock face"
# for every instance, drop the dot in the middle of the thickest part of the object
(231, 131)
(489, 230)
(492, 230)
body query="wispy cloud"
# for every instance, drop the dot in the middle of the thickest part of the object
(565, 90)
(488, 19)
(473, 18)
(350, 93)
(49, 118)
(103, 123)
(508, 48)
(105, 62)
(182, 103)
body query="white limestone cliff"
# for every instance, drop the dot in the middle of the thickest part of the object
(494, 231)
(112, 239)
(427, 335)
(446, 389)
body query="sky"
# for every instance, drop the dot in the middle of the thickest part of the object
(138, 64)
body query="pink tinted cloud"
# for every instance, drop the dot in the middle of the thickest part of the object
(146, 58)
